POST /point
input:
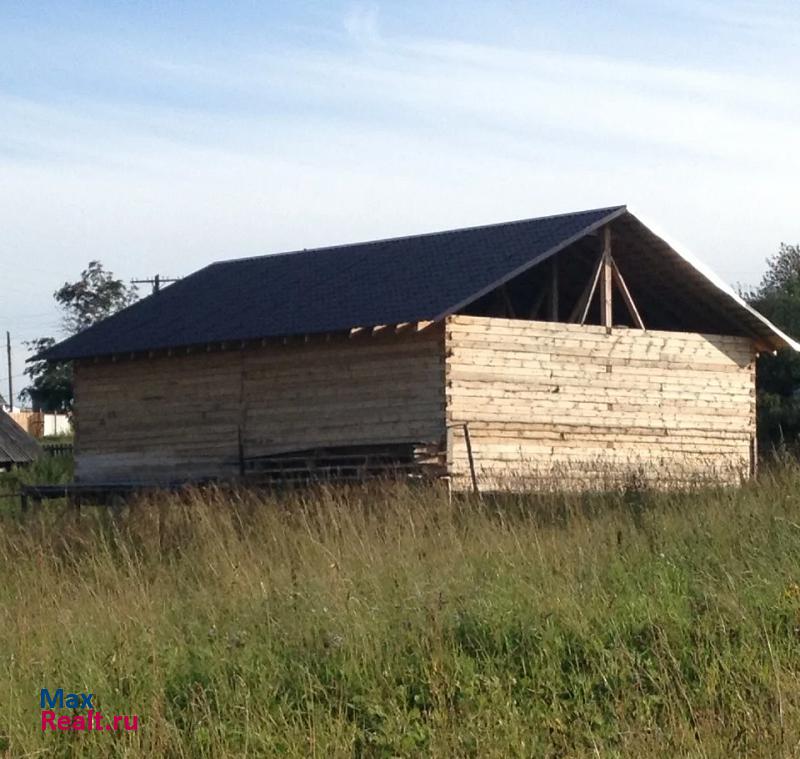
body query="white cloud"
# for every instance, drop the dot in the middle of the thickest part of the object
(361, 24)
(775, 17)
(296, 148)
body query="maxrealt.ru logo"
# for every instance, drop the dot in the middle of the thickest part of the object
(91, 720)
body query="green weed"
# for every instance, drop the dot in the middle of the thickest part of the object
(391, 621)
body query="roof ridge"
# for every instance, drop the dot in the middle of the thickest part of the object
(381, 240)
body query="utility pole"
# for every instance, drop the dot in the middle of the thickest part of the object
(10, 378)
(156, 281)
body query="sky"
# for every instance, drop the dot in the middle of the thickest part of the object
(157, 137)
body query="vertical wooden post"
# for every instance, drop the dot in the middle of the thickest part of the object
(509, 306)
(10, 379)
(468, 443)
(753, 418)
(553, 289)
(606, 290)
(626, 295)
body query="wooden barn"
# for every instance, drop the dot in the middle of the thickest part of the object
(579, 349)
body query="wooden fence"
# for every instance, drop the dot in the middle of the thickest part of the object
(39, 424)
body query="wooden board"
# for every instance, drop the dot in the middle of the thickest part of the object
(546, 403)
(179, 417)
(582, 406)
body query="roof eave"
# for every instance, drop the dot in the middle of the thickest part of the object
(775, 336)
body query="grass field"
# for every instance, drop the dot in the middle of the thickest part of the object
(387, 621)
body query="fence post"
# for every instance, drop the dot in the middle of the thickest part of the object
(468, 442)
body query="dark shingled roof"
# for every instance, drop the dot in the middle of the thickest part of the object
(404, 279)
(16, 445)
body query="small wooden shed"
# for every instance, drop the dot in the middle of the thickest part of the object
(17, 447)
(580, 349)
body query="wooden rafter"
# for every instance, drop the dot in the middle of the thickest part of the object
(606, 289)
(537, 303)
(581, 308)
(508, 304)
(401, 328)
(626, 295)
(554, 289)
(606, 275)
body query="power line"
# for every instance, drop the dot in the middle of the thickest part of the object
(10, 376)
(156, 281)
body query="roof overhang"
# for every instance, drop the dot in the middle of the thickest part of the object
(755, 322)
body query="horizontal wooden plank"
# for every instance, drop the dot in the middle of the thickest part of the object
(188, 413)
(539, 397)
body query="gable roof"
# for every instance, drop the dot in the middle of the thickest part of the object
(404, 279)
(16, 445)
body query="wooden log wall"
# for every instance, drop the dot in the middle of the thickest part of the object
(558, 405)
(174, 417)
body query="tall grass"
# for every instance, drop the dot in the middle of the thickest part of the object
(51, 470)
(389, 621)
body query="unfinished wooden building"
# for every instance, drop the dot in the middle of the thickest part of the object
(579, 349)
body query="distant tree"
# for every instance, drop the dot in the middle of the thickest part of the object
(778, 298)
(92, 298)
(51, 383)
(95, 296)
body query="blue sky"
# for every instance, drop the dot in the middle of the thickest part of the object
(158, 136)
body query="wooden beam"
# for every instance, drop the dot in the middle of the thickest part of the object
(468, 444)
(595, 282)
(678, 304)
(665, 311)
(553, 289)
(606, 290)
(537, 303)
(626, 295)
(507, 300)
(581, 308)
